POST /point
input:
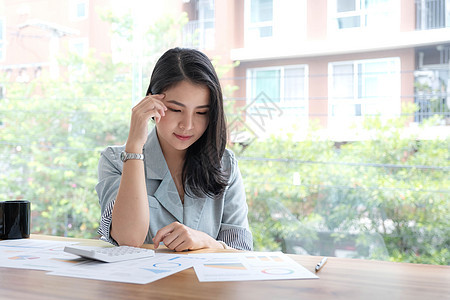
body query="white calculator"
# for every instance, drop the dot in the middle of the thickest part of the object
(110, 254)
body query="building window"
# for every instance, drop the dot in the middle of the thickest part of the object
(367, 13)
(260, 19)
(199, 33)
(79, 9)
(431, 14)
(79, 47)
(2, 39)
(285, 87)
(362, 88)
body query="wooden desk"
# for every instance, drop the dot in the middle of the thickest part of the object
(340, 279)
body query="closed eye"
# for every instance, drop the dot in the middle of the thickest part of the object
(174, 110)
(202, 112)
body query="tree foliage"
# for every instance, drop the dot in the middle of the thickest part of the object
(385, 197)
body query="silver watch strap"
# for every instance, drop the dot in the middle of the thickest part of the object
(124, 156)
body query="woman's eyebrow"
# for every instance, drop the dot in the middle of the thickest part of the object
(182, 105)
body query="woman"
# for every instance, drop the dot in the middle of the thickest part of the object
(177, 185)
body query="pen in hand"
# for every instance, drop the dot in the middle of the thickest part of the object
(321, 264)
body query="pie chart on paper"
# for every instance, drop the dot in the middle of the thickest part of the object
(23, 257)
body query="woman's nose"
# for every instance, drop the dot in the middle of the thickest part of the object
(186, 123)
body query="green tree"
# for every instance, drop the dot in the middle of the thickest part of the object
(384, 198)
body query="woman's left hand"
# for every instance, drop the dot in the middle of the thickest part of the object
(179, 237)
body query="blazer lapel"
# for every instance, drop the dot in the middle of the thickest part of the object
(167, 196)
(156, 169)
(193, 209)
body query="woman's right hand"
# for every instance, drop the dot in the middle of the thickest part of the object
(149, 107)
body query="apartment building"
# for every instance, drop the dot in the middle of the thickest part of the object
(36, 33)
(329, 61)
(301, 62)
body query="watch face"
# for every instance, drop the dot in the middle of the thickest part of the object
(123, 156)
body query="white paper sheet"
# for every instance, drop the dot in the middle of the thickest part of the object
(249, 266)
(139, 271)
(49, 256)
(36, 254)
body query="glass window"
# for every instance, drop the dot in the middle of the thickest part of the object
(314, 184)
(79, 9)
(294, 85)
(199, 32)
(206, 20)
(368, 13)
(277, 98)
(268, 82)
(365, 88)
(79, 47)
(261, 17)
(346, 5)
(284, 87)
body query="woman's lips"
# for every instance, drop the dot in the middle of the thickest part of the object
(182, 137)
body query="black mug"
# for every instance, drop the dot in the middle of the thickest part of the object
(15, 219)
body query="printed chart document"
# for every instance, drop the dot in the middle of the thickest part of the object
(249, 266)
(36, 255)
(140, 271)
(50, 256)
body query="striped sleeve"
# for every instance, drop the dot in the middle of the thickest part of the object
(234, 228)
(237, 238)
(105, 225)
(109, 174)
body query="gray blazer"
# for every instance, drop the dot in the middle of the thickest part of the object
(223, 218)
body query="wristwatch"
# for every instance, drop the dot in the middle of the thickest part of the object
(124, 156)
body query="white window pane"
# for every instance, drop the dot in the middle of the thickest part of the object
(379, 13)
(376, 80)
(294, 86)
(267, 82)
(343, 81)
(265, 31)
(346, 5)
(343, 110)
(369, 4)
(349, 22)
(81, 10)
(206, 9)
(261, 11)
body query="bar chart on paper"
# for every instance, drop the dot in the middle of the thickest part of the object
(244, 266)
(226, 266)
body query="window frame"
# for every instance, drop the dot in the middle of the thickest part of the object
(282, 101)
(249, 26)
(74, 7)
(393, 10)
(81, 41)
(395, 108)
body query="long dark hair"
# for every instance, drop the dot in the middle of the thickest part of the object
(202, 169)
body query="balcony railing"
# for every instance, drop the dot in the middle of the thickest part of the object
(432, 90)
(433, 104)
(432, 14)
